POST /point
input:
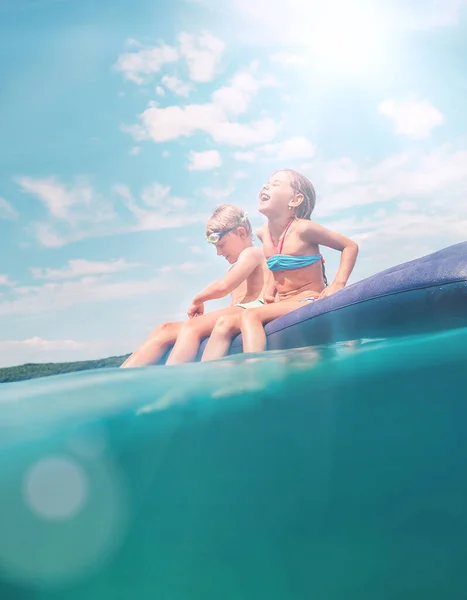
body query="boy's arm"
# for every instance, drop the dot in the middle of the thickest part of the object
(314, 233)
(247, 262)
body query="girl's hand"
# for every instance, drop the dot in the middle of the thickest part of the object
(196, 309)
(331, 289)
(269, 299)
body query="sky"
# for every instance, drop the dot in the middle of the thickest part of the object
(124, 123)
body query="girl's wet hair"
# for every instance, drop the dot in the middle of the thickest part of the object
(302, 185)
(228, 216)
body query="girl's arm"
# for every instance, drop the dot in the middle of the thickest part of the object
(270, 290)
(314, 233)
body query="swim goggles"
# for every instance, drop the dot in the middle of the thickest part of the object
(216, 236)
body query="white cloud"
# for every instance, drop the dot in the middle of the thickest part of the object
(49, 237)
(291, 149)
(202, 53)
(213, 118)
(204, 161)
(160, 91)
(234, 99)
(59, 295)
(237, 134)
(136, 65)
(414, 119)
(408, 235)
(81, 267)
(6, 210)
(245, 156)
(176, 85)
(155, 194)
(165, 212)
(72, 204)
(38, 350)
(135, 150)
(5, 280)
(439, 176)
(77, 212)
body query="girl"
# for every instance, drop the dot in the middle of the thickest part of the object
(229, 230)
(291, 245)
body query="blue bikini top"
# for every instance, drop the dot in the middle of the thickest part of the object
(287, 262)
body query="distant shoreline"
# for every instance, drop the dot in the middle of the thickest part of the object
(35, 370)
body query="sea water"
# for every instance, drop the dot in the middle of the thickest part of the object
(332, 473)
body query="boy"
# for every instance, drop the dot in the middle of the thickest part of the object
(229, 230)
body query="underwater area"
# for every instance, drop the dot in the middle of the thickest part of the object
(328, 472)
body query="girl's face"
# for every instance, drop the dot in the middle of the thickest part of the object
(276, 195)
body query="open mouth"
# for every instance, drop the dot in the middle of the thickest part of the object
(264, 197)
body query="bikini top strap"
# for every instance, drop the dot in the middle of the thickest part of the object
(278, 248)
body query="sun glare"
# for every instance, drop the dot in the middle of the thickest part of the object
(347, 38)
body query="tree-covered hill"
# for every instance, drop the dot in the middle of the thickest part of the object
(33, 370)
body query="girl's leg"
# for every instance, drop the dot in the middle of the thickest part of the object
(154, 348)
(221, 337)
(192, 333)
(254, 319)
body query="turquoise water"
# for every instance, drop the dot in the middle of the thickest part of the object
(329, 473)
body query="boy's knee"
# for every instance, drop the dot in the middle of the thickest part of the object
(163, 330)
(225, 325)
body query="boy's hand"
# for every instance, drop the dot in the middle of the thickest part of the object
(196, 309)
(331, 289)
(269, 299)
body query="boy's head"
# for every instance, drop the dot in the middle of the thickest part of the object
(229, 229)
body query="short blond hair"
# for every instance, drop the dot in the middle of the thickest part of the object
(228, 216)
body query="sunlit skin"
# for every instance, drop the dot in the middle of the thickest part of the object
(278, 201)
(245, 281)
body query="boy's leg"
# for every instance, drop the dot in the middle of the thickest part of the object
(221, 337)
(154, 348)
(192, 333)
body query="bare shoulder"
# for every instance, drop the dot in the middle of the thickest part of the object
(307, 227)
(252, 253)
(260, 232)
